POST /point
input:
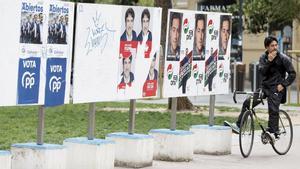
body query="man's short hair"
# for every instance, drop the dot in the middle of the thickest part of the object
(145, 13)
(269, 40)
(129, 11)
(225, 18)
(175, 15)
(200, 17)
(130, 58)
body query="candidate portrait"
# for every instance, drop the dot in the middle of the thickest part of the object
(199, 39)
(225, 31)
(173, 53)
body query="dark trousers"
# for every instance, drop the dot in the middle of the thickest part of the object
(273, 109)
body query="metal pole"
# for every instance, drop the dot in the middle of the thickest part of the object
(173, 113)
(212, 100)
(254, 77)
(234, 76)
(131, 116)
(298, 80)
(41, 125)
(241, 26)
(91, 125)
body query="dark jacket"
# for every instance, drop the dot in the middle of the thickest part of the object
(274, 73)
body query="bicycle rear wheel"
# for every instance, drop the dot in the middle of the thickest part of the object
(246, 134)
(285, 138)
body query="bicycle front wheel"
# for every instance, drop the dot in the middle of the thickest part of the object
(284, 140)
(246, 135)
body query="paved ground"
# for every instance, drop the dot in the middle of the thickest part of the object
(262, 157)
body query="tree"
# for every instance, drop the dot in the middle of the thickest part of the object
(183, 103)
(268, 15)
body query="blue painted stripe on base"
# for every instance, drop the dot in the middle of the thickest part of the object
(129, 136)
(85, 140)
(41, 147)
(173, 132)
(215, 127)
(4, 153)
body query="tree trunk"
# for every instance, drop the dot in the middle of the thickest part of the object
(183, 103)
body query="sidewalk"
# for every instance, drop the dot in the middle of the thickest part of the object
(227, 99)
(262, 157)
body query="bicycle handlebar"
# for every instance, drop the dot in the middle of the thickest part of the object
(260, 95)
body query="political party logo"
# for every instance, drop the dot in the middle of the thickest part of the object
(28, 80)
(170, 71)
(186, 25)
(55, 84)
(210, 26)
(195, 71)
(55, 81)
(221, 70)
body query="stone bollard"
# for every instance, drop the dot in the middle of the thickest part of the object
(91, 154)
(172, 145)
(132, 150)
(214, 140)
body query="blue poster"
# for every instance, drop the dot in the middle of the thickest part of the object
(55, 81)
(29, 80)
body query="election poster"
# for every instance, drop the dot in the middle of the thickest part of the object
(59, 44)
(24, 52)
(116, 59)
(197, 53)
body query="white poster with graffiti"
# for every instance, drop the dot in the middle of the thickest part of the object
(25, 56)
(116, 59)
(197, 53)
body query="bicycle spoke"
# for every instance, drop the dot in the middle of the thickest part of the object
(285, 135)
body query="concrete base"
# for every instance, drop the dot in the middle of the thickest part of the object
(214, 140)
(172, 145)
(132, 150)
(33, 156)
(5, 160)
(90, 154)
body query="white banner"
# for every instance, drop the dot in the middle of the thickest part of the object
(36, 71)
(116, 52)
(197, 53)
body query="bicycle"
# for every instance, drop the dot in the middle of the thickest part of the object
(284, 138)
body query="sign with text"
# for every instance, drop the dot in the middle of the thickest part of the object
(33, 31)
(197, 53)
(116, 59)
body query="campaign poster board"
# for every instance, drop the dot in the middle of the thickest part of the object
(37, 72)
(197, 53)
(116, 53)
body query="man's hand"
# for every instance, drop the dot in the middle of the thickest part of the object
(272, 55)
(280, 88)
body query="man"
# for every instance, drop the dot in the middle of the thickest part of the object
(224, 36)
(127, 75)
(37, 30)
(153, 73)
(129, 34)
(145, 36)
(128, 40)
(150, 85)
(273, 66)
(199, 43)
(174, 37)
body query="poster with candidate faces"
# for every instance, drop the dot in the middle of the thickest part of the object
(197, 53)
(29, 61)
(116, 59)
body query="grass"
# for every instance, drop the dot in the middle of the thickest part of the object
(19, 124)
(293, 104)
